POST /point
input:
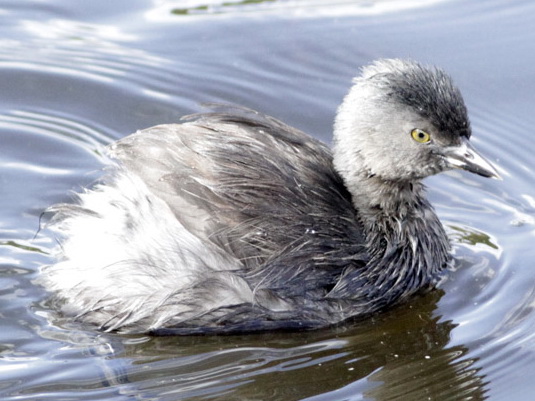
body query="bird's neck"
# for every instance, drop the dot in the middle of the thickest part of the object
(380, 200)
(402, 229)
(406, 244)
(395, 212)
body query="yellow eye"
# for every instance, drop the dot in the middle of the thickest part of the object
(420, 135)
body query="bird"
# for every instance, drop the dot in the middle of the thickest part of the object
(231, 221)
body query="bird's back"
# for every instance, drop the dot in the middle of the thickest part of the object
(258, 210)
(246, 182)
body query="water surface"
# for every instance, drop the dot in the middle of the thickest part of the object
(74, 77)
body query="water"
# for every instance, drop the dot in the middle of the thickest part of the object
(74, 77)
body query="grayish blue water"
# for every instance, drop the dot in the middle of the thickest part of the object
(77, 75)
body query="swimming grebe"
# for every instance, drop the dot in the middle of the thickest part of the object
(235, 222)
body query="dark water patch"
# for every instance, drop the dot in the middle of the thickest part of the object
(373, 358)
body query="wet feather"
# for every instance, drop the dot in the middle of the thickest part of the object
(233, 221)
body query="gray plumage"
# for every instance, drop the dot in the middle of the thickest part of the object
(233, 221)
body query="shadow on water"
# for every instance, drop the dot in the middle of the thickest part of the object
(402, 354)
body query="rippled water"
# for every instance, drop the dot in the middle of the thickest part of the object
(74, 77)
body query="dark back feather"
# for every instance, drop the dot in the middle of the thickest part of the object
(252, 185)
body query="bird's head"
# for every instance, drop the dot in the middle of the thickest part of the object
(402, 121)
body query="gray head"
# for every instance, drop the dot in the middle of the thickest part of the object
(402, 121)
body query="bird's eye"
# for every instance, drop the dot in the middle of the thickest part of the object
(420, 135)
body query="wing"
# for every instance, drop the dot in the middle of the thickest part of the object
(249, 183)
(228, 222)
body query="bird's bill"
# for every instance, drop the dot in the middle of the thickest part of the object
(467, 158)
